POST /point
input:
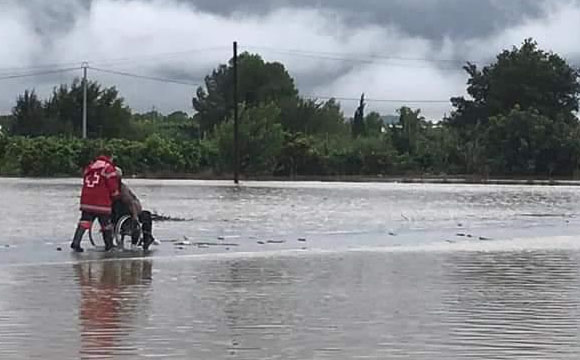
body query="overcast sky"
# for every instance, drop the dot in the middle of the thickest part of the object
(389, 49)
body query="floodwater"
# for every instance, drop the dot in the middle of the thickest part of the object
(297, 271)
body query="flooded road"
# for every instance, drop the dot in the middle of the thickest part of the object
(297, 271)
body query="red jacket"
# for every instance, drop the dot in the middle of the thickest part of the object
(100, 186)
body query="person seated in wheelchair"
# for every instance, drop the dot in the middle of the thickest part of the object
(129, 205)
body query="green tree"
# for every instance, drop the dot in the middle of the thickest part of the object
(362, 155)
(261, 138)
(358, 122)
(176, 125)
(28, 115)
(302, 155)
(436, 149)
(61, 114)
(407, 134)
(313, 117)
(528, 77)
(373, 124)
(524, 90)
(107, 115)
(524, 142)
(258, 82)
(329, 120)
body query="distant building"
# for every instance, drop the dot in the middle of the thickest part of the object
(390, 119)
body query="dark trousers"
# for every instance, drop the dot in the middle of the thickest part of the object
(86, 222)
(88, 218)
(146, 222)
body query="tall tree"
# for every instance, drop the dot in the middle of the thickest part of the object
(61, 114)
(406, 136)
(373, 124)
(525, 76)
(28, 115)
(525, 142)
(358, 123)
(261, 139)
(107, 114)
(259, 82)
(313, 117)
(524, 82)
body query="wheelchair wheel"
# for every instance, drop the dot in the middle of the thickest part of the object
(91, 236)
(124, 227)
(96, 234)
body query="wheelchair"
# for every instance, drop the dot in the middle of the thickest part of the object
(125, 226)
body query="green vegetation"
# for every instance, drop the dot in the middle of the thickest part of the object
(520, 120)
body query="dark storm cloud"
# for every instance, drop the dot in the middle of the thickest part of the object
(186, 39)
(427, 18)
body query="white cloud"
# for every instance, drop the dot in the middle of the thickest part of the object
(17, 38)
(555, 32)
(149, 37)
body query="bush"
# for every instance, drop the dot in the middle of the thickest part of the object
(54, 156)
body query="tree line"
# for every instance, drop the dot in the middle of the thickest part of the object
(520, 119)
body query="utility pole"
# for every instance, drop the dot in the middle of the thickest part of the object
(84, 66)
(236, 135)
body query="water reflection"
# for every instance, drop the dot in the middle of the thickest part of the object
(465, 299)
(346, 305)
(513, 304)
(113, 295)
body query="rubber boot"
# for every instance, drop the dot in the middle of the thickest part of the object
(76, 243)
(147, 240)
(108, 238)
(147, 227)
(135, 232)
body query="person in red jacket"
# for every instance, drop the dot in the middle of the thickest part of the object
(100, 189)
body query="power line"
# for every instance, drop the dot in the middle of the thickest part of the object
(174, 81)
(324, 55)
(39, 73)
(409, 101)
(38, 67)
(374, 56)
(113, 61)
(363, 58)
(145, 77)
(158, 56)
(179, 82)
